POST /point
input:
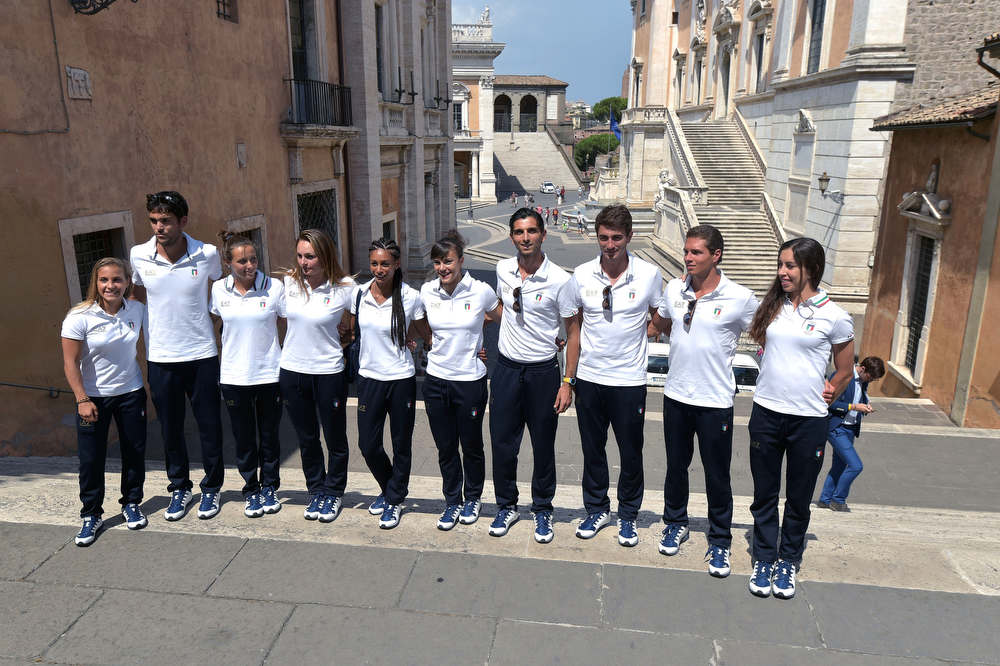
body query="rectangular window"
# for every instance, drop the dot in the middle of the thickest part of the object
(456, 115)
(89, 247)
(918, 307)
(816, 35)
(227, 9)
(675, 18)
(318, 210)
(297, 25)
(389, 230)
(380, 51)
(696, 73)
(759, 62)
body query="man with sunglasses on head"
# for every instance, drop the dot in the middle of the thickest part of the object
(525, 380)
(172, 273)
(605, 307)
(704, 314)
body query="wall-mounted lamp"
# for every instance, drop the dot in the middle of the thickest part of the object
(437, 97)
(90, 6)
(400, 91)
(824, 183)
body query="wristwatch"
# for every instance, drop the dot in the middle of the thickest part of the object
(569, 380)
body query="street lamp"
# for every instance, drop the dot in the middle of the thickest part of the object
(824, 183)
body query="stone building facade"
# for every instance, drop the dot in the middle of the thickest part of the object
(260, 117)
(528, 103)
(473, 51)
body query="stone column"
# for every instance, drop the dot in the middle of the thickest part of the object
(515, 112)
(475, 175)
(487, 178)
(783, 40)
(876, 31)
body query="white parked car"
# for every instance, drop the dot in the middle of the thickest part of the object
(548, 188)
(745, 368)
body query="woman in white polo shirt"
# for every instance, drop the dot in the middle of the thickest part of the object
(247, 302)
(455, 390)
(798, 326)
(312, 378)
(386, 307)
(99, 338)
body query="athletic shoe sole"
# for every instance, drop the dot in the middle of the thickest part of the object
(761, 592)
(544, 538)
(273, 509)
(503, 529)
(384, 525)
(718, 573)
(208, 515)
(250, 513)
(782, 594)
(83, 543)
(374, 512)
(628, 542)
(673, 551)
(468, 520)
(137, 525)
(177, 515)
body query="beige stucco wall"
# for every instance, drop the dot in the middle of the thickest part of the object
(174, 90)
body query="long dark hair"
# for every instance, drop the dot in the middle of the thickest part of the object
(398, 327)
(811, 260)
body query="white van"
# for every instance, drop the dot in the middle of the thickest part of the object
(745, 368)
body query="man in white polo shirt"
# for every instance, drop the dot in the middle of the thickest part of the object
(172, 272)
(605, 307)
(526, 377)
(704, 313)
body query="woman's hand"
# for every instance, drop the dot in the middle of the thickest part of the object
(87, 411)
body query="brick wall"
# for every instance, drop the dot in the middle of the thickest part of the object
(941, 39)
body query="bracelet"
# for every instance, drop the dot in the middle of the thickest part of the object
(87, 399)
(850, 406)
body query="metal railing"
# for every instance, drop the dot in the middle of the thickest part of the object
(53, 391)
(319, 103)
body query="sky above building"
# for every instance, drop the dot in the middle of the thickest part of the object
(585, 43)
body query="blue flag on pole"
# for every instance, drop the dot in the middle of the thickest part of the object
(614, 127)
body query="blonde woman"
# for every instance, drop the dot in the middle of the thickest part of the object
(99, 338)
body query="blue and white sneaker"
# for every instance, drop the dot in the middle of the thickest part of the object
(592, 524)
(449, 517)
(315, 504)
(718, 561)
(760, 579)
(470, 512)
(209, 506)
(269, 499)
(783, 586)
(330, 509)
(543, 527)
(390, 516)
(504, 519)
(254, 507)
(627, 536)
(378, 506)
(91, 526)
(134, 520)
(673, 536)
(180, 500)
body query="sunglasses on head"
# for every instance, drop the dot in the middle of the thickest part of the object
(606, 303)
(689, 315)
(516, 305)
(162, 198)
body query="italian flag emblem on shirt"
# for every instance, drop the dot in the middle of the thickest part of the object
(810, 328)
(538, 297)
(263, 304)
(717, 311)
(194, 272)
(468, 306)
(631, 295)
(326, 301)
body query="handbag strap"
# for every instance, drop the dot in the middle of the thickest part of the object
(357, 315)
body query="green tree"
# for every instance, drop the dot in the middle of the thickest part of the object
(616, 104)
(586, 150)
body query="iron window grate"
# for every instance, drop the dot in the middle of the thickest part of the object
(226, 9)
(88, 248)
(918, 308)
(318, 210)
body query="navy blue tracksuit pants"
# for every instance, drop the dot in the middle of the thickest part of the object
(129, 414)
(255, 414)
(524, 394)
(198, 381)
(624, 409)
(305, 396)
(455, 413)
(397, 399)
(800, 439)
(714, 427)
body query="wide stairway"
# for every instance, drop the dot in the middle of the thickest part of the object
(532, 157)
(734, 202)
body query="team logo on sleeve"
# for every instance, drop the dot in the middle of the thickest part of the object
(717, 311)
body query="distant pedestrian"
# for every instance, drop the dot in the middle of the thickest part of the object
(580, 223)
(798, 326)
(546, 215)
(846, 413)
(555, 216)
(579, 191)
(562, 193)
(99, 338)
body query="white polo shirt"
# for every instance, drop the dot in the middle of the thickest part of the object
(180, 328)
(701, 355)
(381, 358)
(529, 336)
(613, 342)
(250, 348)
(107, 360)
(796, 354)
(456, 321)
(312, 342)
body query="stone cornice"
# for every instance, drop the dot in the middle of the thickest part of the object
(889, 69)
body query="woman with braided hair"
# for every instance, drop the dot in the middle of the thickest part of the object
(386, 308)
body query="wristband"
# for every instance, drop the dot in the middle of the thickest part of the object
(83, 400)
(850, 406)
(569, 380)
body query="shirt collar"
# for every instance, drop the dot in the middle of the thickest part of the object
(464, 284)
(542, 272)
(603, 277)
(723, 282)
(260, 282)
(194, 249)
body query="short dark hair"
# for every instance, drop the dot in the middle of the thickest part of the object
(167, 201)
(711, 236)
(523, 213)
(614, 217)
(452, 240)
(874, 367)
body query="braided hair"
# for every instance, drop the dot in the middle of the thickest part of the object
(398, 327)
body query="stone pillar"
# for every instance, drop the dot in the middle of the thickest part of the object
(475, 175)
(783, 40)
(876, 31)
(487, 178)
(515, 112)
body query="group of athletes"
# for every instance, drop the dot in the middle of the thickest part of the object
(174, 291)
